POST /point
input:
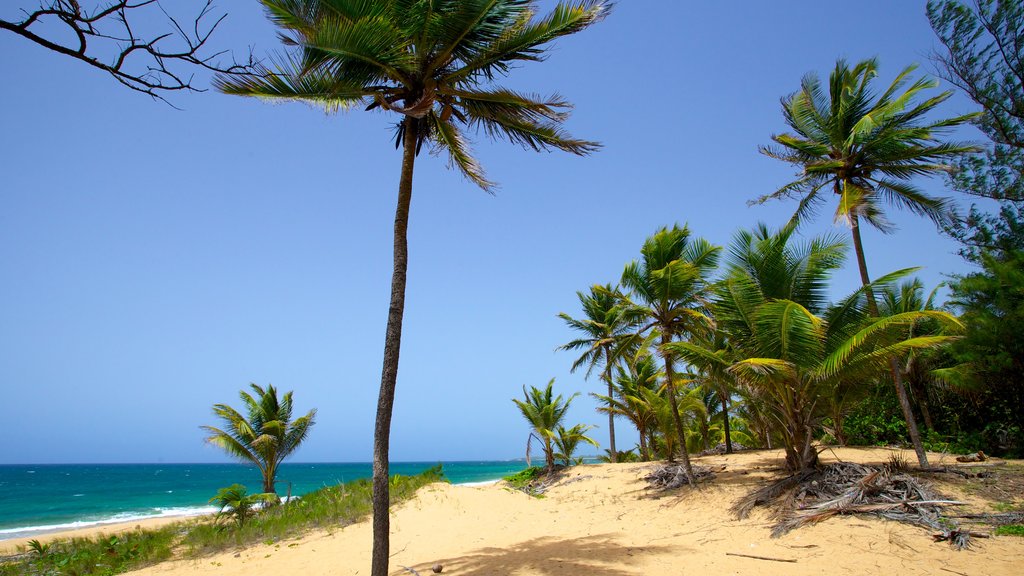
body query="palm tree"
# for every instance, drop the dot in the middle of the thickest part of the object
(431, 63)
(604, 328)
(711, 365)
(792, 345)
(567, 440)
(545, 412)
(868, 150)
(266, 435)
(669, 285)
(236, 501)
(628, 399)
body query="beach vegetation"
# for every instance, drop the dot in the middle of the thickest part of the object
(266, 435)
(545, 413)
(1010, 530)
(235, 502)
(432, 66)
(524, 477)
(866, 150)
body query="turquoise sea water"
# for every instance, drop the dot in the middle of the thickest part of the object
(38, 498)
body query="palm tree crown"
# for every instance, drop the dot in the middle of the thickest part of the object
(867, 149)
(545, 412)
(431, 62)
(266, 435)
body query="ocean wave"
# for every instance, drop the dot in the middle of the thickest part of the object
(120, 518)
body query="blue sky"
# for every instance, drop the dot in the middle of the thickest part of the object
(156, 261)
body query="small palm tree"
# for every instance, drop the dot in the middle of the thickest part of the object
(668, 290)
(237, 502)
(567, 440)
(545, 412)
(266, 435)
(604, 328)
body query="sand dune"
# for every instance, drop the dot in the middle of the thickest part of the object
(602, 520)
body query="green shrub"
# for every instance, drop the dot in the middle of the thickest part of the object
(1010, 530)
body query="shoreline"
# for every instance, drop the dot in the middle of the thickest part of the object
(109, 527)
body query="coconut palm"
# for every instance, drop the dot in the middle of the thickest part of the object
(604, 328)
(545, 412)
(867, 150)
(237, 502)
(431, 64)
(567, 441)
(792, 345)
(266, 435)
(628, 399)
(668, 287)
(711, 366)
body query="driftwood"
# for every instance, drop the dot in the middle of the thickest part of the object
(760, 557)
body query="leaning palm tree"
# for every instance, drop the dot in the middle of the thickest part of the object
(866, 150)
(431, 64)
(265, 435)
(545, 412)
(604, 328)
(668, 289)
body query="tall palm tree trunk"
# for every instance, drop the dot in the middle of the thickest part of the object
(894, 368)
(389, 374)
(724, 397)
(611, 417)
(669, 375)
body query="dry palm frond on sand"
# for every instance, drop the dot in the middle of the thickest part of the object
(851, 488)
(671, 476)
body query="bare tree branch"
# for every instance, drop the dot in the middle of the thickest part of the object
(105, 38)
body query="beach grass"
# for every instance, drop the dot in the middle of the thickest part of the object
(327, 508)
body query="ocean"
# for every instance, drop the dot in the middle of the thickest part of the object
(35, 499)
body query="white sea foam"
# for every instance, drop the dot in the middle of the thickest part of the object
(484, 483)
(177, 512)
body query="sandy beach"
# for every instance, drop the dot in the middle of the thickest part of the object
(604, 520)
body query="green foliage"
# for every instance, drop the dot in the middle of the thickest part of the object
(524, 477)
(545, 412)
(266, 435)
(876, 420)
(431, 63)
(99, 556)
(235, 502)
(567, 441)
(333, 506)
(1010, 530)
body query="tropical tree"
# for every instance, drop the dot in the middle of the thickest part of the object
(430, 63)
(629, 399)
(567, 441)
(604, 329)
(545, 412)
(711, 370)
(792, 345)
(668, 289)
(237, 502)
(266, 435)
(866, 151)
